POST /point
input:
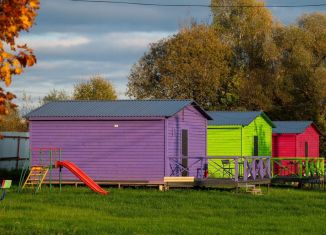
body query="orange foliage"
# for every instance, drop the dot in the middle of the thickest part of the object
(15, 16)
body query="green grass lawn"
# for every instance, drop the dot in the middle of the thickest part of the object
(149, 211)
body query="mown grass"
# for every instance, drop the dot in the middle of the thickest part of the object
(149, 211)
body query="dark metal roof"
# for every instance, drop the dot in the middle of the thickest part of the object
(224, 118)
(118, 108)
(292, 127)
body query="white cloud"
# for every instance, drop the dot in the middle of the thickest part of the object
(54, 40)
(133, 40)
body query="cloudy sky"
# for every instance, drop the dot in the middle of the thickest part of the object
(74, 40)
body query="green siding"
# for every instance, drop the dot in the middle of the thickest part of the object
(259, 127)
(224, 140)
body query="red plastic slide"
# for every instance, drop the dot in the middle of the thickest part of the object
(82, 176)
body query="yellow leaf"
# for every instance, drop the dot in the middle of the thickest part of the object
(30, 60)
(34, 4)
(7, 55)
(5, 69)
(17, 66)
(18, 70)
(12, 28)
(8, 79)
(26, 21)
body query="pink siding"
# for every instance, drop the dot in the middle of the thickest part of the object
(190, 119)
(293, 145)
(284, 145)
(312, 137)
(132, 151)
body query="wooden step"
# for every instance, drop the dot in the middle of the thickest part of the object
(37, 172)
(255, 191)
(38, 168)
(180, 179)
(37, 175)
(33, 180)
(247, 186)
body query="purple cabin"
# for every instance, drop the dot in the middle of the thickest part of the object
(124, 140)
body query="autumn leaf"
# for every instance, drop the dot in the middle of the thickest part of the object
(8, 79)
(10, 96)
(3, 110)
(34, 4)
(16, 64)
(15, 16)
(30, 60)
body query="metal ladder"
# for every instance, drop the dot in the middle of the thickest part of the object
(35, 177)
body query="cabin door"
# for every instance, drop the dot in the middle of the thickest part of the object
(306, 149)
(184, 151)
(256, 147)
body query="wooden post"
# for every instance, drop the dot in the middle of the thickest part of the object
(245, 169)
(236, 168)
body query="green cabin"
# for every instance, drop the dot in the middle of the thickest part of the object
(237, 134)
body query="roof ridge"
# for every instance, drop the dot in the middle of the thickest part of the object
(294, 126)
(120, 100)
(295, 121)
(118, 108)
(226, 111)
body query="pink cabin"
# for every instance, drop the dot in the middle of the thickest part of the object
(294, 139)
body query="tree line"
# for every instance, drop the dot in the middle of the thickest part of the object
(244, 60)
(96, 88)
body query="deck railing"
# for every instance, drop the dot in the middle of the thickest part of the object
(240, 168)
(234, 168)
(195, 167)
(297, 167)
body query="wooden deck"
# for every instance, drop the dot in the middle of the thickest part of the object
(303, 180)
(111, 183)
(174, 182)
(218, 183)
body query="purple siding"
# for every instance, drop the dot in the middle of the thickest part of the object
(136, 150)
(132, 151)
(189, 118)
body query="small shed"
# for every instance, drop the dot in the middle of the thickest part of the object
(239, 134)
(295, 139)
(124, 140)
(14, 150)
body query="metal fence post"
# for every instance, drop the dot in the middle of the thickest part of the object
(60, 169)
(50, 169)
